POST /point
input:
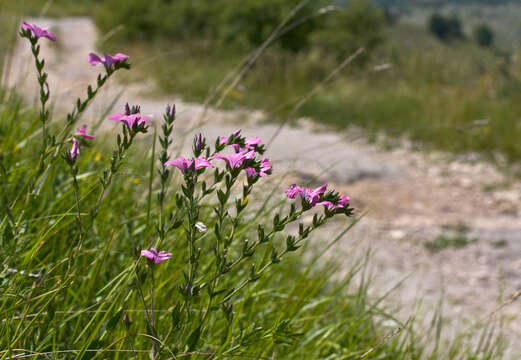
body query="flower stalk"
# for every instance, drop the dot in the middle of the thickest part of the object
(164, 172)
(33, 33)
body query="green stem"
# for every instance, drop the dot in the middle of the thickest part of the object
(265, 267)
(44, 97)
(72, 117)
(6, 193)
(117, 160)
(76, 193)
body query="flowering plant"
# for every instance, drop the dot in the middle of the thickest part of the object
(203, 225)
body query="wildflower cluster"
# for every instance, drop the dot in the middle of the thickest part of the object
(332, 201)
(52, 143)
(200, 224)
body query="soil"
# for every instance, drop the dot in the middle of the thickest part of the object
(420, 205)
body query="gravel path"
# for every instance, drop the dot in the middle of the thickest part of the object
(412, 198)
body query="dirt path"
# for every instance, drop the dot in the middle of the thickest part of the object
(413, 198)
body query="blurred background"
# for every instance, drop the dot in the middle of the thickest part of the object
(443, 72)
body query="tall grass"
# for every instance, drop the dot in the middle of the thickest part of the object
(61, 301)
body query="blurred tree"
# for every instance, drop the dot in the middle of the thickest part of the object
(251, 22)
(445, 28)
(247, 23)
(483, 35)
(455, 30)
(342, 32)
(236, 22)
(438, 26)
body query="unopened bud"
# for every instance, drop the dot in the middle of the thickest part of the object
(126, 320)
(170, 111)
(198, 143)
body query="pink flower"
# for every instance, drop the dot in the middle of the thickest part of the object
(249, 144)
(75, 150)
(182, 164)
(311, 196)
(107, 60)
(39, 32)
(293, 191)
(155, 257)
(252, 142)
(328, 204)
(131, 120)
(342, 203)
(236, 160)
(265, 167)
(223, 140)
(83, 133)
(251, 172)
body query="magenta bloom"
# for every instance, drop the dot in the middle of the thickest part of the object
(237, 148)
(223, 140)
(235, 160)
(75, 150)
(252, 142)
(311, 196)
(342, 203)
(155, 257)
(182, 164)
(251, 172)
(249, 144)
(83, 133)
(131, 120)
(39, 32)
(293, 191)
(265, 166)
(107, 59)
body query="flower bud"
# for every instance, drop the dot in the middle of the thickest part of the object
(199, 144)
(170, 111)
(127, 321)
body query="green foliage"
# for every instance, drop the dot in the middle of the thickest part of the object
(244, 24)
(343, 32)
(447, 241)
(250, 23)
(484, 36)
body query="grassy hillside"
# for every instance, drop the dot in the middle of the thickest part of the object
(456, 97)
(503, 16)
